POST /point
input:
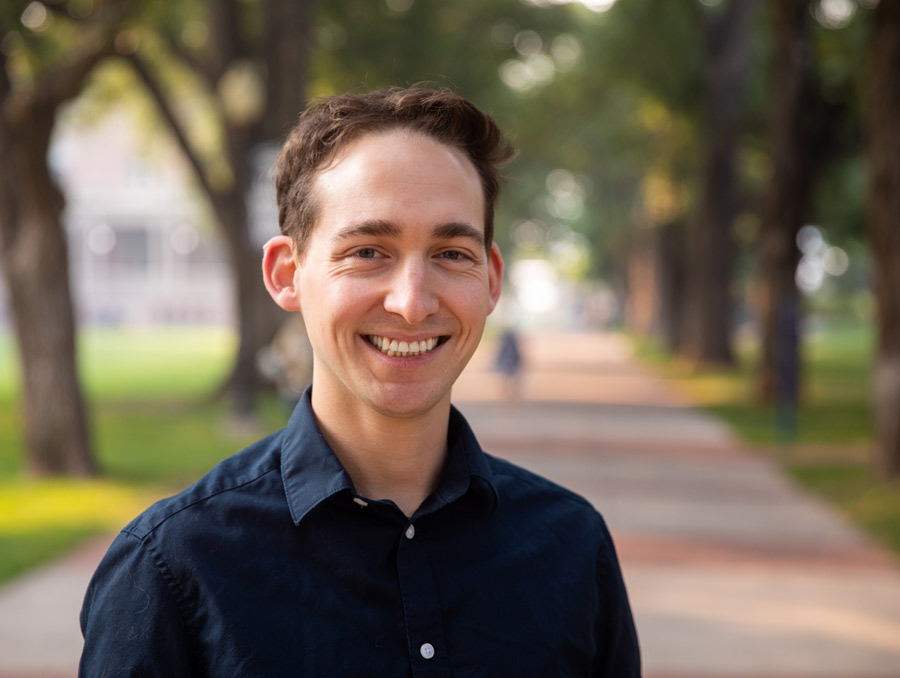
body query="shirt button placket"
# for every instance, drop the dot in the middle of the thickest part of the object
(421, 607)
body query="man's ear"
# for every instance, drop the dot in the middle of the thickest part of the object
(495, 275)
(279, 267)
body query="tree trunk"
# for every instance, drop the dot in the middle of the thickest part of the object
(34, 260)
(884, 232)
(33, 251)
(708, 303)
(284, 51)
(258, 317)
(655, 281)
(785, 204)
(801, 136)
(642, 306)
(286, 23)
(287, 27)
(672, 262)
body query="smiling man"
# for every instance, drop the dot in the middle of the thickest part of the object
(372, 536)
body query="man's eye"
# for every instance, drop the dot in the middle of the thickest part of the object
(453, 255)
(367, 253)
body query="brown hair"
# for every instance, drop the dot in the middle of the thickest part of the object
(331, 123)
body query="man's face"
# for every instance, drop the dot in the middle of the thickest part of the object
(395, 282)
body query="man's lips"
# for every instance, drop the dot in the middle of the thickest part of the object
(399, 348)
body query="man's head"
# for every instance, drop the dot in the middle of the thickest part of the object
(385, 201)
(329, 125)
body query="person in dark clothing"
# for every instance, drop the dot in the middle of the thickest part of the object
(372, 536)
(509, 362)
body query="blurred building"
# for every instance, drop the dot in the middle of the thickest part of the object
(142, 246)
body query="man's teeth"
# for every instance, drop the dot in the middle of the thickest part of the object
(392, 347)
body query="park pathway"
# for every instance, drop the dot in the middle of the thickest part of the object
(732, 571)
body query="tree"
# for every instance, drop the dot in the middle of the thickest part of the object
(251, 61)
(802, 138)
(708, 303)
(883, 208)
(49, 55)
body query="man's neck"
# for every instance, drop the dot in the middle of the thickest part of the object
(387, 457)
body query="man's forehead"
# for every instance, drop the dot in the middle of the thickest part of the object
(378, 176)
(362, 152)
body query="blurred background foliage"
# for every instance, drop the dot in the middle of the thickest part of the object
(651, 151)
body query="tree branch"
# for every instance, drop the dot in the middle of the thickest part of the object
(188, 60)
(65, 80)
(155, 90)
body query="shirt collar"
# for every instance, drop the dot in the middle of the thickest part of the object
(465, 469)
(311, 472)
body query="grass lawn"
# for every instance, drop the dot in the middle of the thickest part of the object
(155, 431)
(832, 448)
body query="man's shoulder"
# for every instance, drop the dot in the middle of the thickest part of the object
(550, 513)
(516, 482)
(240, 471)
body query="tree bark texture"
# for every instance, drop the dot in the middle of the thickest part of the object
(35, 264)
(708, 304)
(884, 225)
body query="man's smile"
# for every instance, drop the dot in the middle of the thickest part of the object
(395, 347)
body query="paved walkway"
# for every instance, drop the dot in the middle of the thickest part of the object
(732, 572)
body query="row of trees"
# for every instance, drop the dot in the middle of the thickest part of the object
(825, 103)
(670, 127)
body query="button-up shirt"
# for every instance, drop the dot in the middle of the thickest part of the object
(273, 565)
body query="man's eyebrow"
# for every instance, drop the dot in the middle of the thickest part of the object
(387, 229)
(375, 227)
(458, 230)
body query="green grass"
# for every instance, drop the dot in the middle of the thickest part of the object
(155, 430)
(138, 364)
(872, 503)
(41, 518)
(831, 452)
(836, 404)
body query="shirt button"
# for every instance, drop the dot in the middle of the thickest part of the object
(410, 533)
(427, 650)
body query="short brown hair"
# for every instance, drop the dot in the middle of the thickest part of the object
(331, 123)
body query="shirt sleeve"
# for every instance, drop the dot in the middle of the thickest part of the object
(618, 654)
(131, 622)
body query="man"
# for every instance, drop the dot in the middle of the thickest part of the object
(371, 536)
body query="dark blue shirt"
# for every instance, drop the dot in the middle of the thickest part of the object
(272, 565)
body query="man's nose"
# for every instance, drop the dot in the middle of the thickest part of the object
(411, 293)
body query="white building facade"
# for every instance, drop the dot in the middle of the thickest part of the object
(142, 246)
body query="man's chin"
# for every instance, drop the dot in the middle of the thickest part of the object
(404, 402)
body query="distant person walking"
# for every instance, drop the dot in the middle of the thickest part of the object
(509, 363)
